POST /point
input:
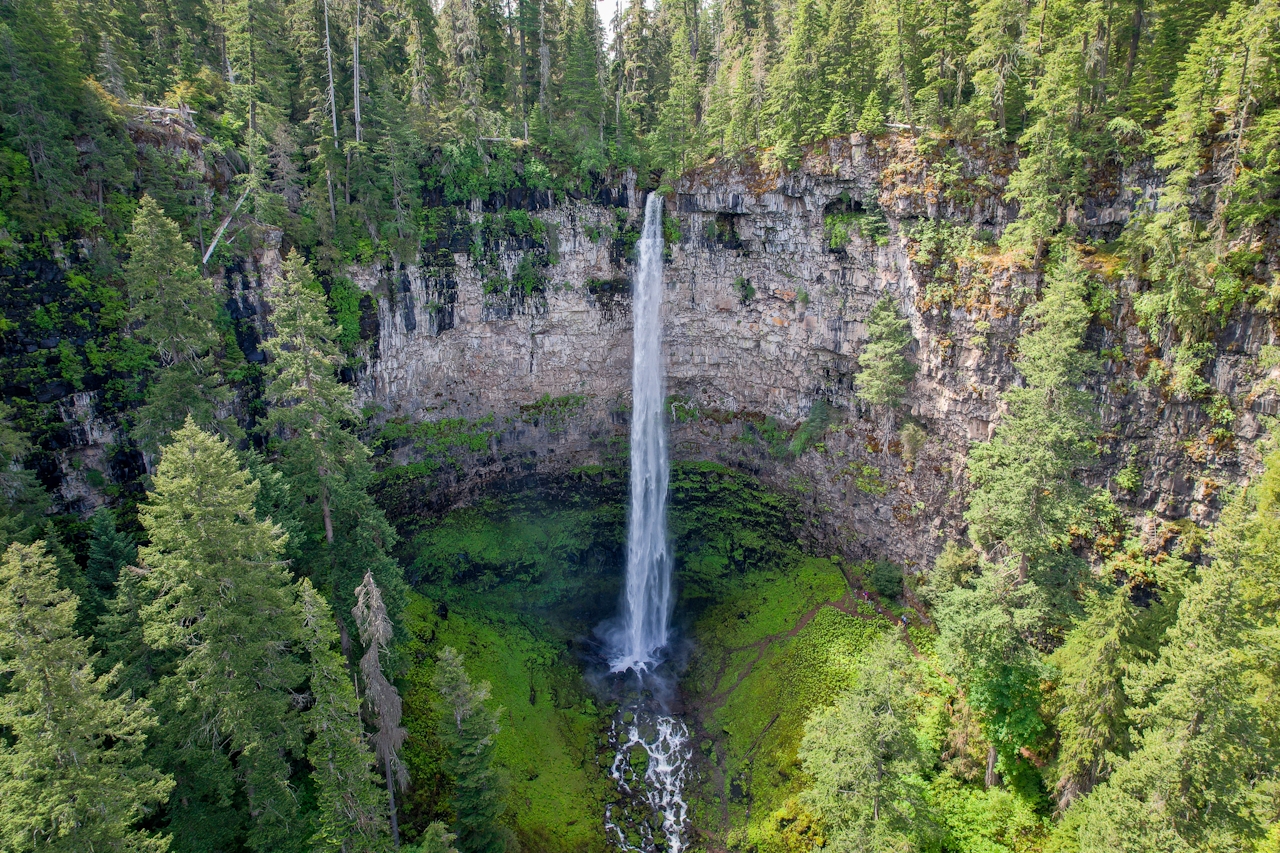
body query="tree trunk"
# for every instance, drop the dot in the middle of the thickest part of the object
(1134, 41)
(391, 792)
(544, 58)
(992, 778)
(328, 516)
(355, 72)
(333, 210)
(333, 101)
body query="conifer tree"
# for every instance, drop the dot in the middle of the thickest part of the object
(581, 97)
(110, 550)
(436, 838)
(22, 499)
(983, 641)
(72, 772)
(166, 294)
(174, 307)
(676, 131)
(326, 465)
(1093, 719)
(798, 101)
(222, 601)
(1025, 492)
(121, 635)
(468, 727)
(1203, 763)
(884, 370)
(996, 57)
(352, 808)
(865, 760)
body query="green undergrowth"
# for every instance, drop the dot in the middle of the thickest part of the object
(550, 725)
(758, 675)
(515, 582)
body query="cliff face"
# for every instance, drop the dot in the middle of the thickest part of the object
(763, 318)
(514, 337)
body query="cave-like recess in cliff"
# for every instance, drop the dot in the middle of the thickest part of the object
(518, 582)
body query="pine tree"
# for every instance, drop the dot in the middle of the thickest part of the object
(22, 499)
(895, 31)
(996, 58)
(352, 808)
(468, 727)
(380, 694)
(884, 370)
(871, 119)
(676, 131)
(121, 635)
(983, 641)
(581, 97)
(174, 309)
(223, 602)
(436, 838)
(1203, 763)
(864, 757)
(72, 772)
(1092, 720)
(166, 294)
(798, 102)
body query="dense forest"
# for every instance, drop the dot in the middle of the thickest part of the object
(246, 642)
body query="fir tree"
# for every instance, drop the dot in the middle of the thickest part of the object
(166, 294)
(72, 772)
(223, 602)
(983, 641)
(380, 694)
(864, 757)
(22, 500)
(436, 838)
(352, 808)
(344, 533)
(110, 550)
(676, 131)
(871, 119)
(884, 370)
(468, 727)
(1025, 492)
(174, 309)
(1203, 763)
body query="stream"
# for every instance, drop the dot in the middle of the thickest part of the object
(651, 757)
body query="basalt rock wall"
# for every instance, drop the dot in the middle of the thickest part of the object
(764, 318)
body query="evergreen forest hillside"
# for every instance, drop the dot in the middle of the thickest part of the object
(254, 623)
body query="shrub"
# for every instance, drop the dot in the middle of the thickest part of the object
(885, 578)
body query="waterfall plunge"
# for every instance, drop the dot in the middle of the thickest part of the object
(647, 606)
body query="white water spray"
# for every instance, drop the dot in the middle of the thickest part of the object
(647, 607)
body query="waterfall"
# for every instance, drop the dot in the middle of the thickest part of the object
(647, 606)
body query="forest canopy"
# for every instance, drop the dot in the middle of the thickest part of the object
(214, 657)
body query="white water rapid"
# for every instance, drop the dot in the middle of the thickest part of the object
(647, 607)
(658, 784)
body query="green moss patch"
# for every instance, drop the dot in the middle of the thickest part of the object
(785, 643)
(551, 726)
